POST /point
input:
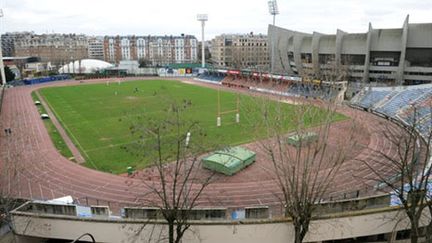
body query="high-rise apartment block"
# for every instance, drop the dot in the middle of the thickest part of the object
(96, 48)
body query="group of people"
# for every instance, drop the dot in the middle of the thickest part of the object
(8, 131)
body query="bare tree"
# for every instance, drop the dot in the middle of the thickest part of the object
(171, 143)
(144, 62)
(305, 170)
(406, 173)
(237, 55)
(9, 173)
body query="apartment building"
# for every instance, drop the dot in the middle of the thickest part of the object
(54, 48)
(240, 51)
(8, 42)
(158, 50)
(96, 48)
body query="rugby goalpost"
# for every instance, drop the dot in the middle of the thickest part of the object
(219, 112)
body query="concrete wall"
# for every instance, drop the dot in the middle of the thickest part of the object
(283, 41)
(354, 44)
(327, 44)
(306, 46)
(362, 223)
(419, 35)
(386, 40)
(380, 41)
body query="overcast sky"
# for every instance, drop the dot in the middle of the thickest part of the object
(173, 17)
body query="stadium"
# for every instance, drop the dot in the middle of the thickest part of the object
(75, 177)
(398, 55)
(45, 174)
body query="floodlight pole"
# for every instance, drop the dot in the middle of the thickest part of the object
(188, 135)
(202, 18)
(3, 76)
(237, 117)
(218, 118)
(273, 10)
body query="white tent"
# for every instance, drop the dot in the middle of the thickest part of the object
(84, 66)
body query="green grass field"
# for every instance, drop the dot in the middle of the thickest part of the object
(92, 116)
(56, 138)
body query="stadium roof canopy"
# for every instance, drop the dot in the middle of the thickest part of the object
(86, 66)
(229, 161)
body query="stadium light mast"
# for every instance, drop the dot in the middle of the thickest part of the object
(202, 18)
(273, 10)
(3, 76)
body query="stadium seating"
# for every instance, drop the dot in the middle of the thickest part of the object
(408, 104)
(211, 77)
(402, 99)
(372, 97)
(314, 91)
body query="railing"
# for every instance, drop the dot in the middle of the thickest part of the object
(201, 214)
(2, 91)
(46, 79)
(357, 204)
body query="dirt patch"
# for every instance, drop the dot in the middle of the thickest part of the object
(131, 97)
(104, 139)
(188, 82)
(291, 102)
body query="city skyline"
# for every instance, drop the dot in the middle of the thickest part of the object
(150, 18)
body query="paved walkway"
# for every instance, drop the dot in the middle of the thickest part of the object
(32, 168)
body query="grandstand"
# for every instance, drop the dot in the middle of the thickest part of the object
(409, 104)
(211, 76)
(322, 90)
(287, 86)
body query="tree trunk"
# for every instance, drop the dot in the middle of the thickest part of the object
(180, 230)
(171, 232)
(298, 233)
(414, 232)
(429, 233)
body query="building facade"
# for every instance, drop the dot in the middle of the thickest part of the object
(158, 50)
(57, 49)
(96, 48)
(240, 51)
(8, 42)
(402, 55)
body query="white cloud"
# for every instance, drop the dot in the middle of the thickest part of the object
(173, 17)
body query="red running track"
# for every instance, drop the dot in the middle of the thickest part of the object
(33, 169)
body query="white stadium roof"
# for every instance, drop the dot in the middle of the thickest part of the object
(86, 66)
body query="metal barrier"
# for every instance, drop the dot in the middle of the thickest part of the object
(2, 91)
(357, 204)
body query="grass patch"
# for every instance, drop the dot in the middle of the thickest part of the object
(56, 138)
(93, 116)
